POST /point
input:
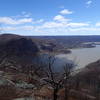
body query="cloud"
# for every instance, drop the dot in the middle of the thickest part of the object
(25, 14)
(26, 27)
(19, 21)
(62, 28)
(78, 24)
(97, 24)
(11, 21)
(38, 21)
(88, 3)
(66, 12)
(59, 25)
(9, 28)
(86, 30)
(61, 18)
(52, 30)
(51, 25)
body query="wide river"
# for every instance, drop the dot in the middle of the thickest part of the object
(83, 56)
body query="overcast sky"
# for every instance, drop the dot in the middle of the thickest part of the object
(50, 17)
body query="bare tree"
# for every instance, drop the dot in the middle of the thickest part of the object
(58, 80)
(51, 78)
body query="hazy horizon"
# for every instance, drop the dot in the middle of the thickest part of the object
(44, 35)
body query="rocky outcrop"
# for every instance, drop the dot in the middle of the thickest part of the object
(16, 51)
(19, 47)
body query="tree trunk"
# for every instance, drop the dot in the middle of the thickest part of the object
(66, 93)
(55, 96)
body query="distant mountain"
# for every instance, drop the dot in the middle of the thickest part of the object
(91, 38)
(70, 41)
(7, 37)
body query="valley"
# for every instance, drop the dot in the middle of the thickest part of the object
(34, 68)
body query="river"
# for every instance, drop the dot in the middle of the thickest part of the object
(83, 56)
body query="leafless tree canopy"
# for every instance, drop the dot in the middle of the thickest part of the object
(58, 80)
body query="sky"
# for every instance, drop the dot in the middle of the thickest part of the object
(50, 17)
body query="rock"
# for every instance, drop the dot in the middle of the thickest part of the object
(19, 47)
(16, 52)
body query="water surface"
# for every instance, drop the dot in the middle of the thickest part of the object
(83, 56)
